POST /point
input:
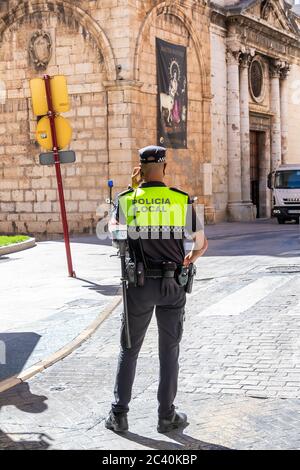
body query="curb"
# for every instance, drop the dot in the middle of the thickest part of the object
(63, 352)
(15, 247)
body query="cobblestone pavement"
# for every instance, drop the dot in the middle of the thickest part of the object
(41, 308)
(240, 363)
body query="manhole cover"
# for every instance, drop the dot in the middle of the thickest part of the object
(284, 269)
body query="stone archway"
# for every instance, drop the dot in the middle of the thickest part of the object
(178, 23)
(29, 191)
(172, 8)
(65, 10)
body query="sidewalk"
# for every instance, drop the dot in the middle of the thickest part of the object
(41, 308)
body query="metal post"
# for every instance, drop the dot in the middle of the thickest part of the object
(51, 115)
(122, 249)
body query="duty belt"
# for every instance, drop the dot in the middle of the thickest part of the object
(167, 269)
(158, 273)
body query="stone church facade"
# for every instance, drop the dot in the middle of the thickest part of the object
(255, 108)
(242, 75)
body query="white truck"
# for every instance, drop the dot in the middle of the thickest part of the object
(285, 186)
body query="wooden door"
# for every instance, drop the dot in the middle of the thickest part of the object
(254, 168)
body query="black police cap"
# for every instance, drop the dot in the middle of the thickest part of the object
(152, 154)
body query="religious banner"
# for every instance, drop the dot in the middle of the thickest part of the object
(172, 94)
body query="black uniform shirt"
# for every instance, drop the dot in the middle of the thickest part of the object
(159, 249)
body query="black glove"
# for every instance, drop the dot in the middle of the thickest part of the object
(169, 286)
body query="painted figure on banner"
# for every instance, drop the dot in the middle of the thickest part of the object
(173, 91)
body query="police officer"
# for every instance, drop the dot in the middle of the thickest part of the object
(158, 217)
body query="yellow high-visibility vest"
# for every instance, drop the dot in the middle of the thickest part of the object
(154, 206)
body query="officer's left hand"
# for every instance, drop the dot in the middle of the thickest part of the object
(195, 254)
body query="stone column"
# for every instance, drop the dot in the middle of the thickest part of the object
(233, 128)
(237, 210)
(275, 70)
(245, 126)
(284, 104)
(206, 165)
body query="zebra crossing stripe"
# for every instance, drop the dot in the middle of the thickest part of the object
(294, 311)
(244, 298)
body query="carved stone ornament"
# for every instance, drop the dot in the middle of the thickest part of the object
(245, 59)
(285, 71)
(233, 56)
(275, 68)
(40, 49)
(266, 9)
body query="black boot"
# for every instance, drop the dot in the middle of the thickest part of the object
(167, 425)
(117, 422)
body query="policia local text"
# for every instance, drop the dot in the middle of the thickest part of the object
(157, 204)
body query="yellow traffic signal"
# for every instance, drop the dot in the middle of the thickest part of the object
(59, 92)
(39, 97)
(63, 132)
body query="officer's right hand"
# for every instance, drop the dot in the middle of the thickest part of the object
(169, 286)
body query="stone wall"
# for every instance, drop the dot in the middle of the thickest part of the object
(106, 49)
(29, 200)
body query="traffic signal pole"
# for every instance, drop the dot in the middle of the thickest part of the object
(51, 115)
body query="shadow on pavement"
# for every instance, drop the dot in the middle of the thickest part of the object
(6, 259)
(109, 290)
(182, 441)
(15, 349)
(21, 398)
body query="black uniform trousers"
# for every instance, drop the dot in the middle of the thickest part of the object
(170, 317)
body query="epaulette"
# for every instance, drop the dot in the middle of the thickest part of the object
(127, 191)
(179, 191)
